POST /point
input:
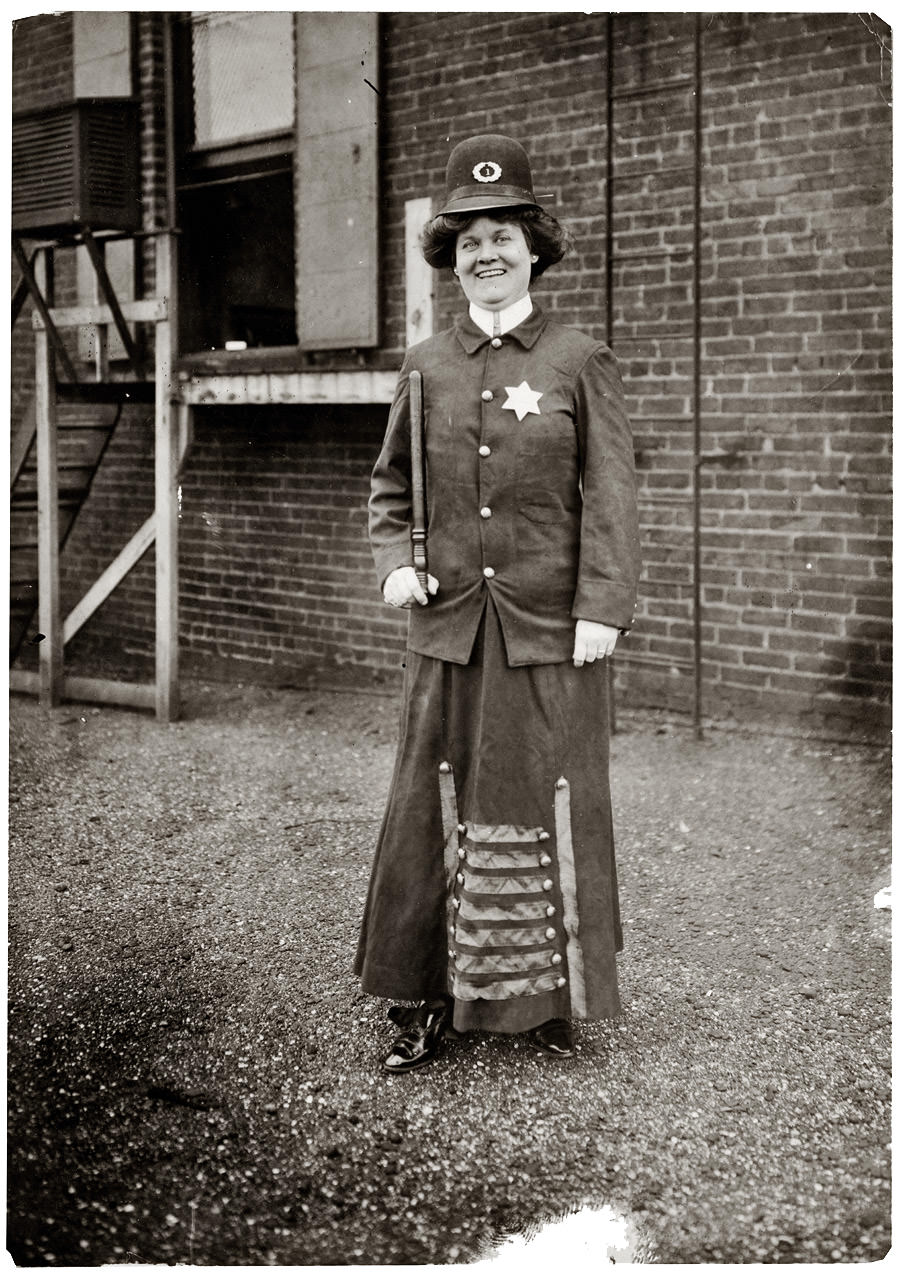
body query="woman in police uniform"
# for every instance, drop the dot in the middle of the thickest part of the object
(493, 901)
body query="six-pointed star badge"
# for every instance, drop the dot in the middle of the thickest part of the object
(522, 400)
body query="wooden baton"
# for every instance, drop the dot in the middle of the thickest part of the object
(417, 466)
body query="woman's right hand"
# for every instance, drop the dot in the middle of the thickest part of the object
(402, 588)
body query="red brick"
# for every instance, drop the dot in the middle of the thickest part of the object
(796, 346)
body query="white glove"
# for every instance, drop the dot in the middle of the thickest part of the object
(402, 588)
(593, 641)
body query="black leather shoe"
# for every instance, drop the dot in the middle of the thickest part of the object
(420, 1042)
(553, 1037)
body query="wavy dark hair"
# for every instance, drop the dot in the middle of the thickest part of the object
(543, 234)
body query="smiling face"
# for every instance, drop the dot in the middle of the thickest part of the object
(493, 263)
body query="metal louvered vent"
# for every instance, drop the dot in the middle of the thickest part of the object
(76, 165)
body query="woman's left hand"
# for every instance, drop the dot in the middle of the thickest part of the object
(593, 641)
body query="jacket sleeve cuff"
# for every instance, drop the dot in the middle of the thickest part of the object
(389, 556)
(606, 602)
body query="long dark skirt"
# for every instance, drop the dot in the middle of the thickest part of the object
(494, 877)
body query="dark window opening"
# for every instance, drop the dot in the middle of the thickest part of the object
(236, 87)
(237, 263)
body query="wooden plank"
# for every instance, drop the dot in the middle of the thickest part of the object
(22, 682)
(51, 648)
(97, 594)
(37, 277)
(20, 295)
(281, 386)
(419, 274)
(298, 387)
(153, 310)
(258, 389)
(167, 463)
(21, 444)
(97, 254)
(122, 694)
(185, 428)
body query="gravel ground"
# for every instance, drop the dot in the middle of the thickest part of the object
(193, 1072)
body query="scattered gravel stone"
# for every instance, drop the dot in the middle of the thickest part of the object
(193, 1075)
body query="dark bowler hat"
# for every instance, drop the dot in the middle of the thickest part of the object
(489, 171)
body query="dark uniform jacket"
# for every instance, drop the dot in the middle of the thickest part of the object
(538, 512)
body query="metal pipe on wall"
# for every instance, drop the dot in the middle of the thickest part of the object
(694, 330)
(697, 384)
(610, 669)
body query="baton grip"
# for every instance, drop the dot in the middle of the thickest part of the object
(417, 468)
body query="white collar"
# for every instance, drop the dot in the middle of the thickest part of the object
(509, 318)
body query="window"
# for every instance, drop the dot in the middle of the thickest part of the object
(277, 180)
(236, 83)
(233, 55)
(102, 67)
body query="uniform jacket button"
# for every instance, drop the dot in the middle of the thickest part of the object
(484, 450)
(496, 342)
(487, 396)
(488, 572)
(485, 512)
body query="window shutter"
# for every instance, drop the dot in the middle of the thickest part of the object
(337, 180)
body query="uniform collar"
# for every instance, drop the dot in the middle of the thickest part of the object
(499, 322)
(471, 337)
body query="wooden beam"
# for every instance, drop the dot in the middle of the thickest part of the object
(152, 310)
(419, 274)
(20, 294)
(21, 444)
(51, 648)
(97, 594)
(122, 694)
(99, 332)
(96, 254)
(168, 428)
(201, 390)
(37, 279)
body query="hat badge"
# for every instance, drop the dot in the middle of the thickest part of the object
(487, 171)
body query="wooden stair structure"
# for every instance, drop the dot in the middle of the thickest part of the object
(58, 450)
(82, 445)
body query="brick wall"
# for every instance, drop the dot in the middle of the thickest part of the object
(42, 76)
(277, 567)
(795, 373)
(796, 378)
(276, 572)
(795, 510)
(42, 61)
